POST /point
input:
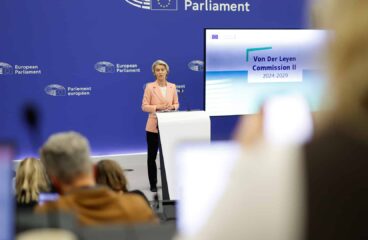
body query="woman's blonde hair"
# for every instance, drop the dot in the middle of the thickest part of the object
(30, 180)
(160, 62)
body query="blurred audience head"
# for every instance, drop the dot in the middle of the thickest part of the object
(31, 179)
(319, 13)
(66, 157)
(111, 174)
(348, 64)
(347, 60)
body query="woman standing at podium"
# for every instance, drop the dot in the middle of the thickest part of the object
(159, 95)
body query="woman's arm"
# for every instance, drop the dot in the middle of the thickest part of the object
(146, 101)
(175, 103)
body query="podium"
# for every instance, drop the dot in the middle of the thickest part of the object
(176, 127)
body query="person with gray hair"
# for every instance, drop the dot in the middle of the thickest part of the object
(66, 157)
(159, 95)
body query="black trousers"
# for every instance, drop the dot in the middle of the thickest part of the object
(152, 149)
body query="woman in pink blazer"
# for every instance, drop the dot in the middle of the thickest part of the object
(159, 95)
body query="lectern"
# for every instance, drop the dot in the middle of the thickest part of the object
(176, 127)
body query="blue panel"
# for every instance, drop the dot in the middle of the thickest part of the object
(222, 128)
(81, 65)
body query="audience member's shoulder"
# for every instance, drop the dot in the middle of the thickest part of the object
(62, 204)
(47, 207)
(26, 206)
(335, 140)
(139, 206)
(133, 198)
(139, 193)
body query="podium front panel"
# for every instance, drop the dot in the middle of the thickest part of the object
(177, 127)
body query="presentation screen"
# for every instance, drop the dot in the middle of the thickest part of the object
(244, 67)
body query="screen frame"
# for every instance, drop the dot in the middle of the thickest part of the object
(205, 58)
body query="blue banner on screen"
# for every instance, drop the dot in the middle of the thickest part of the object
(245, 67)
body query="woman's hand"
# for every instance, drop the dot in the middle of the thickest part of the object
(164, 106)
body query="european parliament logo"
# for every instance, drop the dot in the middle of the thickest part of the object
(55, 90)
(105, 67)
(196, 65)
(155, 5)
(5, 69)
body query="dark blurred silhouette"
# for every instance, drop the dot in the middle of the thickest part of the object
(336, 159)
(32, 118)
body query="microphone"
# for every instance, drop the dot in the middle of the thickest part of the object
(30, 115)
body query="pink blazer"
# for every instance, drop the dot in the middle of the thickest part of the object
(153, 97)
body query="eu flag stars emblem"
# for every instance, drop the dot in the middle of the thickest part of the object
(5, 69)
(164, 5)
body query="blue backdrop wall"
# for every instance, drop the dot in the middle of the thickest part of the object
(82, 65)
